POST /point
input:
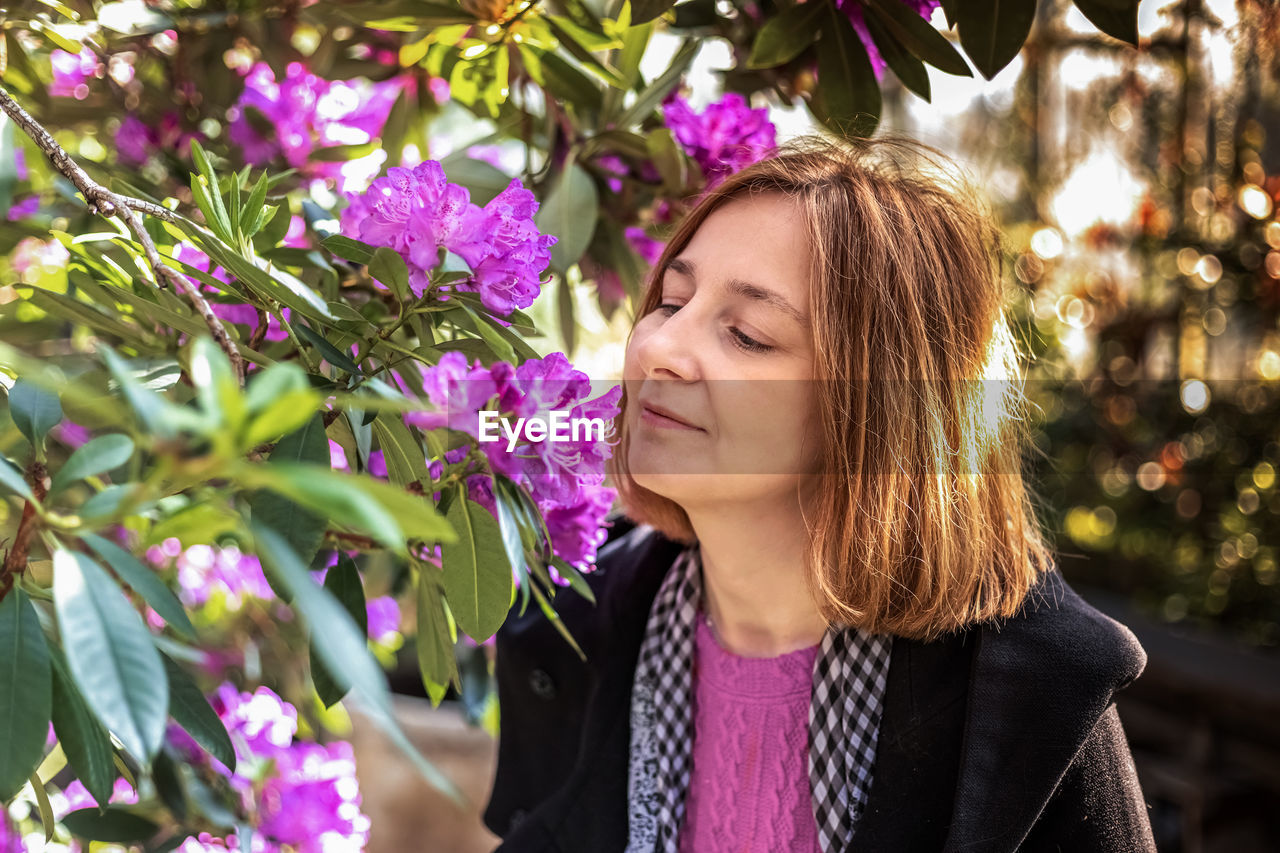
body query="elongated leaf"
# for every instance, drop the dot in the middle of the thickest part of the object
(351, 250)
(110, 654)
(783, 37)
(1116, 18)
(649, 99)
(918, 36)
(386, 512)
(97, 456)
(191, 710)
(343, 582)
(81, 734)
(145, 582)
(910, 71)
(647, 10)
(12, 479)
(388, 267)
(342, 647)
(436, 661)
(848, 99)
(569, 213)
(25, 692)
(992, 32)
(34, 410)
(477, 574)
(116, 824)
(406, 462)
(303, 527)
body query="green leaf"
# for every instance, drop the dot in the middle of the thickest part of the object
(477, 576)
(278, 284)
(910, 71)
(216, 385)
(342, 647)
(437, 663)
(161, 418)
(97, 456)
(388, 267)
(565, 310)
(848, 101)
(253, 214)
(570, 213)
(647, 10)
(145, 582)
(34, 410)
(191, 710)
(406, 462)
(1116, 18)
(784, 37)
(992, 32)
(386, 512)
(302, 527)
(483, 181)
(343, 582)
(82, 736)
(196, 524)
(116, 824)
(351, 250)
(648, 100)
(289, 413)
(264, 387)
(110, 654)
(25, 692)
(919, 36)
(331, 354)
(566, 82)
(11, 478)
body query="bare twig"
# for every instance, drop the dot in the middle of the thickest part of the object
(15, 559)
(106, 203)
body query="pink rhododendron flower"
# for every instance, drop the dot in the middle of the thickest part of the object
(725, 137)
(564, 478)
(418, 211)
(309, 112)
(71, 71)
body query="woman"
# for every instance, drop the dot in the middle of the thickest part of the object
(828, 620)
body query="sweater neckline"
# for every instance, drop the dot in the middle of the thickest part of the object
(782, 676)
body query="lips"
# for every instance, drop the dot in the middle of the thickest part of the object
(667, 413)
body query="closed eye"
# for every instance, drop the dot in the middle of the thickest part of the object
(742, 341)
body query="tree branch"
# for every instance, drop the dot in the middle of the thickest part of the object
(15, 559)
(106, 203)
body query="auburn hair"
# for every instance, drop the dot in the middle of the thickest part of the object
(923, 523)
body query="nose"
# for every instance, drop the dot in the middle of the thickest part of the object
(668, 348)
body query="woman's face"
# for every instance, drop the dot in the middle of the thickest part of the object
(728, 352)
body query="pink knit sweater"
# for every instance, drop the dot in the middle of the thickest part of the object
(749, 788)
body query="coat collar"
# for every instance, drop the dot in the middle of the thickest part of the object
(1032, 687)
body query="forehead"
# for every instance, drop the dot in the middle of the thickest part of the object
(759, 238)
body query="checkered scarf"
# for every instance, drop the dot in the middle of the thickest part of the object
(849, 679)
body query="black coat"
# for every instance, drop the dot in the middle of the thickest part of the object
(992, 739)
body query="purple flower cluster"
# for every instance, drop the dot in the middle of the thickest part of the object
(853, 11)
(309, 112)
(417, 211)
(565, 478)
(71, 73)
(137, 141)
(204, 570)
(725, 137)
(10, 839)
(303, 795)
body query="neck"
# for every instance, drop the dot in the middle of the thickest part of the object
(753, 579)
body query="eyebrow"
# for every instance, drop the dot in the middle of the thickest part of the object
(746, 289)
